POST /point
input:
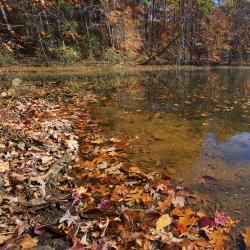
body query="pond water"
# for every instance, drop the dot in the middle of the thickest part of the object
(192, 125)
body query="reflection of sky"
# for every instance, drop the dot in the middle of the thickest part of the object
(235, 150)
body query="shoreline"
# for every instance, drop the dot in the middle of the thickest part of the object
(95, 68)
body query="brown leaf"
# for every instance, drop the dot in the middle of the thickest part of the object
(4, 238)
(130, 216)
(28, 242)
(165, 204)
(20, 228)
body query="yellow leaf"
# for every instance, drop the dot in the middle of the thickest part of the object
(163, 221)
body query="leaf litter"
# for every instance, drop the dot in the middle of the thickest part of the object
(60, 175)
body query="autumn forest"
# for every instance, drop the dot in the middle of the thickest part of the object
(148, 31)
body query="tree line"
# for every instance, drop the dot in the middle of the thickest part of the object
(160, 31)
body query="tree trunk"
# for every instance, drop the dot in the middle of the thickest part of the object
(8, 26)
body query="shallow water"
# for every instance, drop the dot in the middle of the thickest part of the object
(194, 126)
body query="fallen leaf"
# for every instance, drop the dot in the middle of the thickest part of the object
(4, 166)
(178, 201)
(220, 218)
(247, 237)
(28, 242)
(205, 221)
(4, 238)
(68, 218)
(164, 221)
(165, 204)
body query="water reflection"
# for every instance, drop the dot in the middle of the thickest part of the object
(188, 125)
(235, 151)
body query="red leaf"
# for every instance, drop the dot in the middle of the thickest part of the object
(204, 222)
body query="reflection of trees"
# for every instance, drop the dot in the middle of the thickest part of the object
(193, 91)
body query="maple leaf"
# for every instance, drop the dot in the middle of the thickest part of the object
(67, 217)
(220, 218)
(164, 221)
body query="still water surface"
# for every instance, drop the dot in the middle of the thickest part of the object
(188, 124)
